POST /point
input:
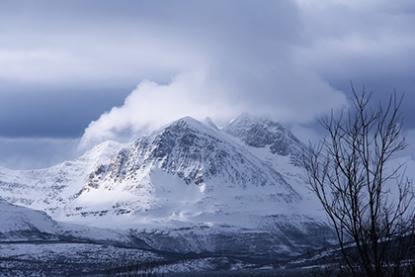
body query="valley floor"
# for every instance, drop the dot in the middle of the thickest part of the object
(55, 258)
(246, 273)
(65, 258)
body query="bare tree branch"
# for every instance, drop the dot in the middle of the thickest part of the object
(368, 200)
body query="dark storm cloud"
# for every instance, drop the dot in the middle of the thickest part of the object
(369, 43)
(64, 63)
(28, 153)
(53, 112)
(243, 49)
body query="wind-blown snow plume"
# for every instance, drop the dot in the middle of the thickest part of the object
(152, 105)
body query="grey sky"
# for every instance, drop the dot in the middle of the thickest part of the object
(65, 63)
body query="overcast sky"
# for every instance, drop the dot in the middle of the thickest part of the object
(85, 71)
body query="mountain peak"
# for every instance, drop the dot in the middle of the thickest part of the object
(191, 122)
(246, 120)
(187, 123)
(187, 120)
(250, 118)
(258, 131)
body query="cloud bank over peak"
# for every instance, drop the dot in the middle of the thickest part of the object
(152, 105)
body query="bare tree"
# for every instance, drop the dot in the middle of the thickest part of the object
(368, 199)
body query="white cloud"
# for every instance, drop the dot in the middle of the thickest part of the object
(354, 40)
(152, 105)
(197, 94)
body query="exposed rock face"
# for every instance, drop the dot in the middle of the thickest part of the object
(262, 132)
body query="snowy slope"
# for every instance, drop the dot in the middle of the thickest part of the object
(50, 188)
(280, 149)
(19, 222)
(24, 224)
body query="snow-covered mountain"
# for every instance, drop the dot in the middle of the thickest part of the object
(186, 171)
(201, 185)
